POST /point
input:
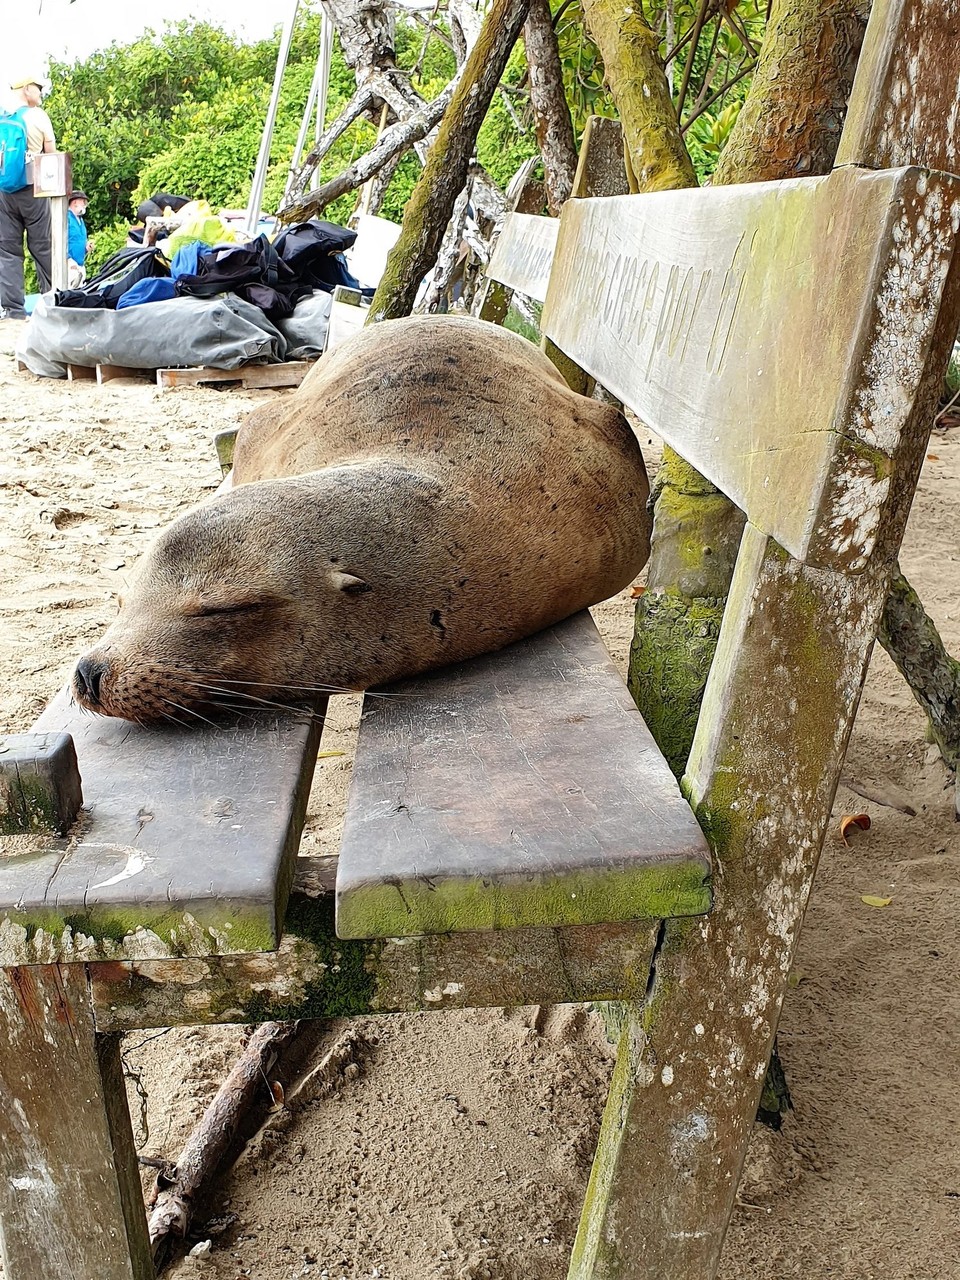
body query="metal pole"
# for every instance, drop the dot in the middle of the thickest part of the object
(326, 53)
(263, 159)
(302, 135)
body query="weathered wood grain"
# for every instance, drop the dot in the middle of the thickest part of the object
(70, 1200)
(524, 254)
(185, 846)
(781, 304)
(519, 789)
(904, 105)
(315, 974)
(601, 169)
(290, 373)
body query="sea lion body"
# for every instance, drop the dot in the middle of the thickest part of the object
(432, 491)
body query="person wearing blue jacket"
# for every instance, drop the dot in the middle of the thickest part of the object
(77, 240)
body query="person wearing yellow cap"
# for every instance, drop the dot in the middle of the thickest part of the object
(20, 213)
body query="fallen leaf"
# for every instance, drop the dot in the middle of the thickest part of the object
(637, 592)
(851, 820)
(933, 457)
(873, 901)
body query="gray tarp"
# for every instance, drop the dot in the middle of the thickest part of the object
(219, 333)
(306, 330)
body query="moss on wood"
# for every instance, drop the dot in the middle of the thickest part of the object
(454, 905)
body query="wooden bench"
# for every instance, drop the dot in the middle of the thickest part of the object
(789, 339)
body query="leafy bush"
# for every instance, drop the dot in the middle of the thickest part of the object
(106, 242)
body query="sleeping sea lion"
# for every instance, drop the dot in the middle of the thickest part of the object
(433, 490)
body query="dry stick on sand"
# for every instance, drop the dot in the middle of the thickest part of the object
(247, 1087)
(210, 1141)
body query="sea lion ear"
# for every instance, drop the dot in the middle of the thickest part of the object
(349, 584)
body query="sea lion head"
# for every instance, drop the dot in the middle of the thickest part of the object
(232, 605)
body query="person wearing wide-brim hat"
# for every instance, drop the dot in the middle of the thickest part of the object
(78, 242)
(20, 213)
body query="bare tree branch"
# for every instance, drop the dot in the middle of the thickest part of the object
(359, 103)
(399, 137)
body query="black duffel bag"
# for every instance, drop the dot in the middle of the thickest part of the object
(307, 248)
(254, 271)
(115, 277)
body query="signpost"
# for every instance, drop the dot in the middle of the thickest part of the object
(53, 180)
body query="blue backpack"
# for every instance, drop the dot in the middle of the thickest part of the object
(13, 150)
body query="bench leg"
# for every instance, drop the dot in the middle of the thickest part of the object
(681, 1109)
(70, 1200)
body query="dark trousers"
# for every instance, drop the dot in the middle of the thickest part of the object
(21, 212)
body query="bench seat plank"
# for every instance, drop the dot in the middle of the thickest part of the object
(520, 789)
(186, 844)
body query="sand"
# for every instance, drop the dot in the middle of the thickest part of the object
(458, 1145)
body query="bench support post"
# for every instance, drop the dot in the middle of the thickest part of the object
(70, 1199)
(762, 777)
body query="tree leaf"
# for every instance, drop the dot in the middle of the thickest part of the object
(851, 820)
(873, 901)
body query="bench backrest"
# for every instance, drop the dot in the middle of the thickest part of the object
(760, 330)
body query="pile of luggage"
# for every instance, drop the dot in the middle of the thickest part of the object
(187, 301)
(274, 277)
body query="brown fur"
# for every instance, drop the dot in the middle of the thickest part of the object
(432, 491)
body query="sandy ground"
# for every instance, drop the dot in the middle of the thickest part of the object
(459, 1145)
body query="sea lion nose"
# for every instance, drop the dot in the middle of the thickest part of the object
(86, 679)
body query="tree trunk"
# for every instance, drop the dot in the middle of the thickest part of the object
(635, 76)
(789, 126)
(445, 173)
(913, 642)
(367, 34)
(552, 122)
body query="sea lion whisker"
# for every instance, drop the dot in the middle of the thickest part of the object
(189, 711)
(249, 697)
(168, 715)
(288, 708)
(305, 688)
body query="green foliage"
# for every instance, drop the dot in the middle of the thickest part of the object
(106, 242)
(502, 147)
(718, 72)
(587, 95)
(119, 106)
(708, 135)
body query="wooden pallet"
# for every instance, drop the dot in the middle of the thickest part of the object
(101, 373)
(289, 374)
